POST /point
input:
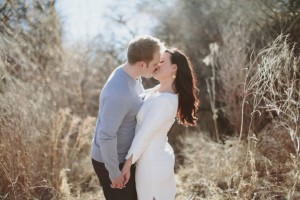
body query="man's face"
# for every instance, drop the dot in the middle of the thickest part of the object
(148, 70)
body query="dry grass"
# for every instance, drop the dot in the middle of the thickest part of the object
(266, 166)
(44, 147)
(48, 95)
(42, 150)
(272, 83)
(237, 170)
(209, 168)
(45, 129)
(273, 86)
(243, 34)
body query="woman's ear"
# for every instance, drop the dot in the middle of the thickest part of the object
(174, 67)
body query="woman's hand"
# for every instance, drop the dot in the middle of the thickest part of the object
(126, 176)
(126, 170)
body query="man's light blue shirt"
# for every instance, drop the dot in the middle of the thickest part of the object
(119, 103)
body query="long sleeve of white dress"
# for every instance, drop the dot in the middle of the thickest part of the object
(157, 113)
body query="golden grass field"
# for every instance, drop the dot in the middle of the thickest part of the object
(246, 145)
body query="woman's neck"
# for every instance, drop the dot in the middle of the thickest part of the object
(166, 86)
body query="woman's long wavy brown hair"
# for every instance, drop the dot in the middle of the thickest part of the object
(185, 85)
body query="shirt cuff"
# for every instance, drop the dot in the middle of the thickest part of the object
(114, 173)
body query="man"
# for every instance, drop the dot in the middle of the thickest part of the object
(120, 101)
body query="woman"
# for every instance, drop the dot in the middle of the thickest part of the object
(173, 98)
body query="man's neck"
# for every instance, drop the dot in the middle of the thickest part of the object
(131, 70)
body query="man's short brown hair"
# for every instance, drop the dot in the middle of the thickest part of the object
(142, 48)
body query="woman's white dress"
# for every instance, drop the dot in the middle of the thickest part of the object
(150, 149)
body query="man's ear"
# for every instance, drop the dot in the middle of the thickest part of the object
(141, 64)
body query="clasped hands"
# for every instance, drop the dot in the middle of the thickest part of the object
(121, 181)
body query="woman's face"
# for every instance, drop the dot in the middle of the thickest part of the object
(165, 68)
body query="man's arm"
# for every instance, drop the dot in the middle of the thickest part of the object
(112, 114)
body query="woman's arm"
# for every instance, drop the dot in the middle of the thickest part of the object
(156, 116)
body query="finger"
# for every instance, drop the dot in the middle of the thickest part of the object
(120, 185)
(112, 186)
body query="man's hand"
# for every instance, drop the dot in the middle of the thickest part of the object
(117, 182)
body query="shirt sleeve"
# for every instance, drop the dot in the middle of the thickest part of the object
(156, 115)
(113, 111)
